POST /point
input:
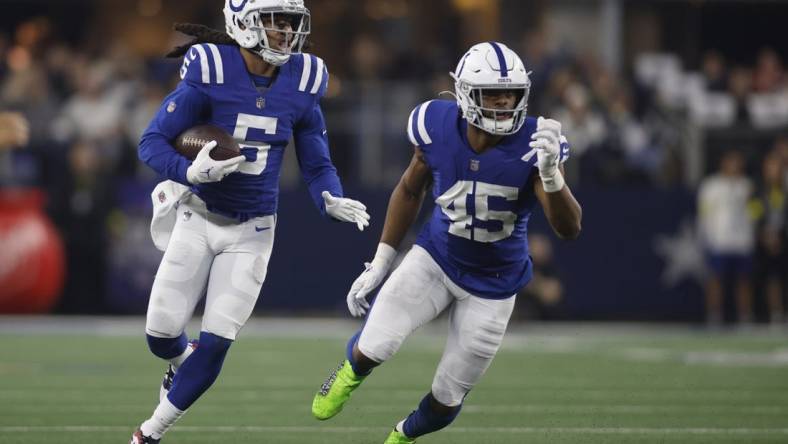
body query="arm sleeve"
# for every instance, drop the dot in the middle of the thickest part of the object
(182, 109)
(314, 159)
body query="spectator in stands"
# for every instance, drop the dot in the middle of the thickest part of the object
(81, 204)
(14, 133)
(579, 119)
(369, 59)
(714, 72)
(14, 130)
(726, 229)
(768, 76)
(781, 149)
(586, 127)
(96, 111)
(740, 86)
(770, 208)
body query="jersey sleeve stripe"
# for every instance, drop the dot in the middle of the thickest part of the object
(206, 69)
(424, 135)
(410, 128)
(217, 62)
(415, 127)
(305, 72)
(319, 76)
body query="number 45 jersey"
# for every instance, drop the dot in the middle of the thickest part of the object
(261, 114)
(477, 232)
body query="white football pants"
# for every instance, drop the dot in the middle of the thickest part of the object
(416, 293)
(209, 254)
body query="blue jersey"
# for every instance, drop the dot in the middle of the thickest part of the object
(216, 88)
(477, 232)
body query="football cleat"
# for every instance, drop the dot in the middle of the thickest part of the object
(335, 392)
(139, 438)
(166, 383)
(398, 438)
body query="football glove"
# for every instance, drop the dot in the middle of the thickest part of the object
(346, 210)
(547, 143)
(204, 169)
(373, 274)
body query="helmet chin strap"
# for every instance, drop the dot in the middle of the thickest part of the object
(270, 56)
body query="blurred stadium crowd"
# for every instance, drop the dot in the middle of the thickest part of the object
(646, 119)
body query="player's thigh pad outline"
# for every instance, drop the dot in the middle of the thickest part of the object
(237, 276)
(413, 295)
(182, 275)
(476, 330)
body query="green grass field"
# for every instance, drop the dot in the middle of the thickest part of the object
(554, 384)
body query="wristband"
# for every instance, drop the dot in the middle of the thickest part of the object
(554, 183)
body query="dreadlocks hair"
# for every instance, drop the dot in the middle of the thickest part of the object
(204, 34)
(201, 34)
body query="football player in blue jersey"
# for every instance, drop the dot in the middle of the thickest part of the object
(255, 83)
(488, 165)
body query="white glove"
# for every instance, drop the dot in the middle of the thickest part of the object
(547, 143)
(204, 169)
(373, 275)
(346, 210)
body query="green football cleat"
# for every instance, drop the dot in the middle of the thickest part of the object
(335, 392)
(398, 438)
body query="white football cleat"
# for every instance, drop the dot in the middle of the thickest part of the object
(139, 438)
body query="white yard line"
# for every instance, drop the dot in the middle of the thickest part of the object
(505, 430)
(547, 334)
(474, 409)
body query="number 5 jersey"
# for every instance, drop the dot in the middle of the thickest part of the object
(261, 113)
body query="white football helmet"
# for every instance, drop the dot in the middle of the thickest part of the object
(248, 20)
(491, 66)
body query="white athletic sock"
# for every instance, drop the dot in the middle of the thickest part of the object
(400, 425)
(177, 361)
(163, 418)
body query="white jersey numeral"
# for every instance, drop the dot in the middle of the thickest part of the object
(190, 57)
(456, 198)
(242, 126)
(453, 203)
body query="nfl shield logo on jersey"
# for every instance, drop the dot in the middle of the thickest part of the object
(474, 165)
(260, 103)
(171, 106)
(162, 197)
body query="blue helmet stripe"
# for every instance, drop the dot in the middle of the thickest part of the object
(238, 8)
(501, 59)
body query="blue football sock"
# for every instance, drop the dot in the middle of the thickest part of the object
(168, 348)
(199, 371)
(425, 420)
(349, 354)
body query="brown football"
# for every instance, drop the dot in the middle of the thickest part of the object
(191, 141)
